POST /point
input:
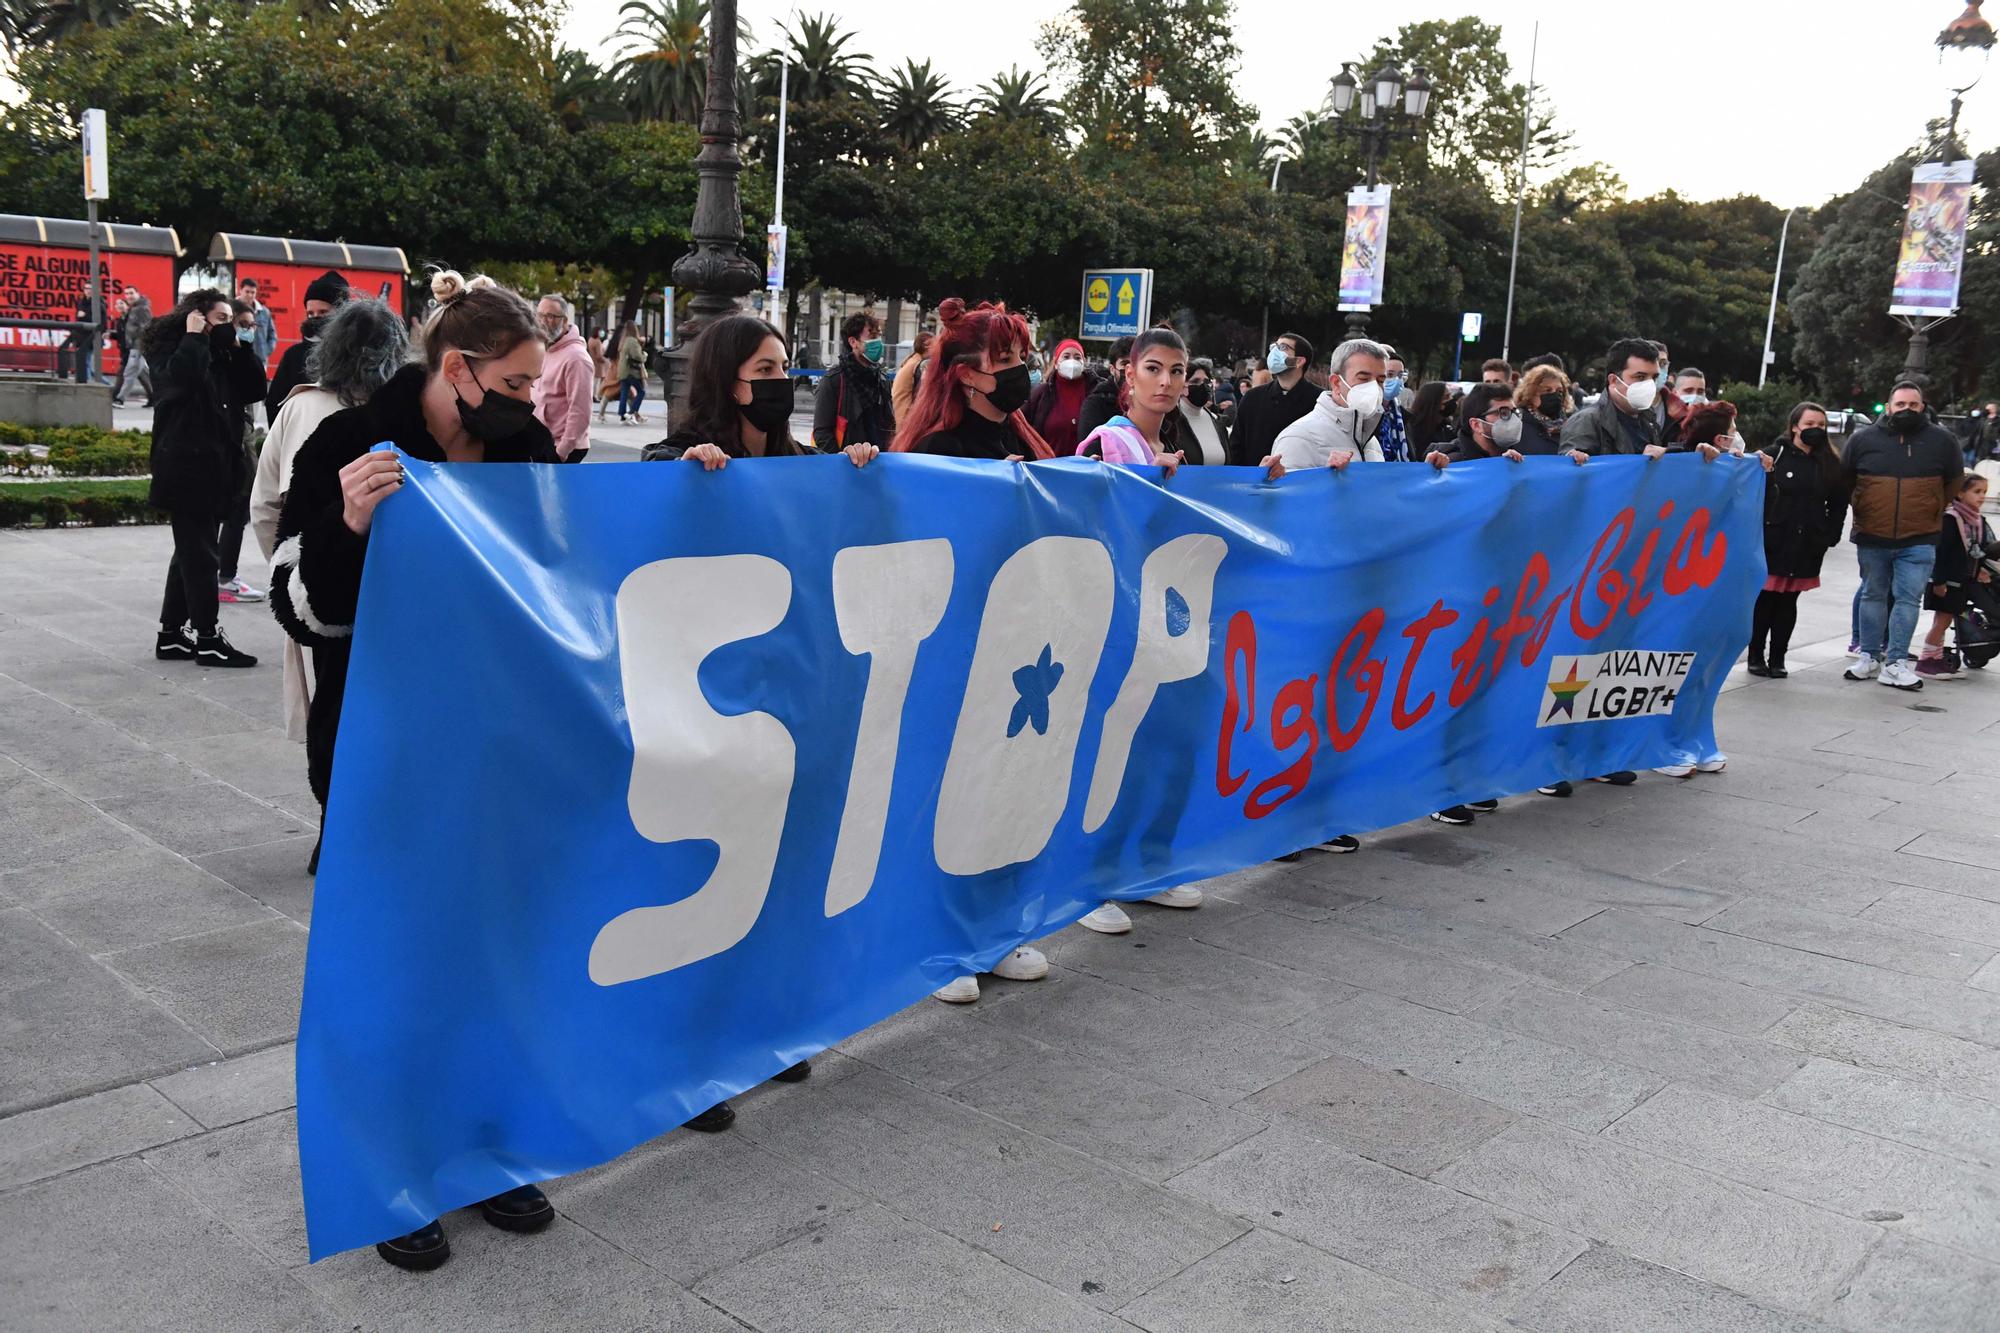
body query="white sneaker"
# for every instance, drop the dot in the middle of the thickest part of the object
(1898, 676)
(1185, 896)
(1864, 668)
(1711, 766)
(1675, 770)
(962, 991)
(1024, 964)
(1108, 919)
(236, 590)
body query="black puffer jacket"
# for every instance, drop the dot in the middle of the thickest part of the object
(201, 389)
(316, 569)
(1805, 501)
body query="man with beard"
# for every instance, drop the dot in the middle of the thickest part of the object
(323, 293)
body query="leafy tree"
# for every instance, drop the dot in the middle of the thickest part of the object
(27, 24)
(1159, 80)
(1018, 95)
(917, 105)
(582, 93)
(1839, 302)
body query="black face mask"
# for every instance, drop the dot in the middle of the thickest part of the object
(221, 337)
(1010, 389)
(312, 327)
(1906, 422)
(770, 405)
(1198, 394)
(1813, 437)
(498, 417)
(1552, 404)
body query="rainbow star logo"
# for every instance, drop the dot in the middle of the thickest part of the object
(1565, 692)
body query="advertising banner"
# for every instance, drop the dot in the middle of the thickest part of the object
(1931, 261)
(51, 282)
(1364, 252)
(652, 781)
(1117, 303)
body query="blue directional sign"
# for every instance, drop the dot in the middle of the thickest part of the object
(1117, 302)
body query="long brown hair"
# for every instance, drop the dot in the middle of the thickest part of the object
(964, 337)
(714, 361)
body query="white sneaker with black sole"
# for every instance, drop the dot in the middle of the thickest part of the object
(1898, 676)
(1864, 668)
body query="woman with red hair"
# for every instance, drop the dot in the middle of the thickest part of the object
(969, 405)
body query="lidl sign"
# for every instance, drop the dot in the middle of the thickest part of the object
(1117, 302)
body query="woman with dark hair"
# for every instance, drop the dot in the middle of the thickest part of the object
(1150, 397)
(1804, 506)
(468, 401)
(1432, 419)
(631, 360)
(973, 389)
(205, 379)
(739, 400)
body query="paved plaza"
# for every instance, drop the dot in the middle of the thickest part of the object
(1719, 1054)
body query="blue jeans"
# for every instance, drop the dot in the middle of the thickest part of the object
(1898, 572)
(634, 390)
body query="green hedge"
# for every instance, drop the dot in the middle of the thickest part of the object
(78, 451)
(93, 504)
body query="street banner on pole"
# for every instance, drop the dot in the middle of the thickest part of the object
(1364, 251)
(1932, 258)
(1117, 303)
(774, 260)
(720, 768)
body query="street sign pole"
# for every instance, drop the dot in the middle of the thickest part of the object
(96, 186)
(1469, 326)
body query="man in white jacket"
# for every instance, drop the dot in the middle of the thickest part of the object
(1342, 424)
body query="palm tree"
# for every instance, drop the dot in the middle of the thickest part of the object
(662, 67)
(1253, 152)
(1306, 132)
(580, 93)
(1020, 95)
(822, 65)
(24, 23)
(917, 105)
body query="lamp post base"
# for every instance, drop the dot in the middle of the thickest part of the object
(1357, 324)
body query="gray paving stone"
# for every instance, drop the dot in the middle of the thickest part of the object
(1520, 1073)
(224, 1092)
(1906, 1286)
(274, 873)
(1605, 1290)
(1478, 893)
(1894, 1108)
(1843, 937)
(1384, 1115)
(1311, 889)
(167, 714)
(247, 1175)
(1771, 874)
(1141, 1127)
(1965, 850)
(938, 1046)
(204, 817)
(1986, 978)
(1269, 1282)
(1061, 1217)
(1154, 1039)
(238, 987)
(1562, 963)
(1356, 960)
(1430, 1237)
(1674, 1050)
(41, 823)
(133, 774)
(1847, 1172)
(121, 899)
(1666, 1213)
(260, 763)
(49, 996)
(86, 1130)
(1159, 959)
(117, 1247)
(1670, 992)
(560, 1278)
(1892, 1048)
(1951, 916)
(1923, 1001)
(691, 1204)
(871, 1270)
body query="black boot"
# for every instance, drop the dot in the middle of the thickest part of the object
(420, 1251)
(797, 1073)
(174, 645)
(523, 1208)
(715, 1119)
(216, 650)
(1776, 670)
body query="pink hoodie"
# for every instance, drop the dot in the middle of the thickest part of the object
(565, 391)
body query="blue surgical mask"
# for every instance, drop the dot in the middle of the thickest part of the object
(1034, 378)
(1276, 361)
(1392, 387)
(244, 335)
(1660, 377)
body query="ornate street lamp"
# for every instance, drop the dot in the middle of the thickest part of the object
(1964, 47)
(715, 268)
(1390, 109)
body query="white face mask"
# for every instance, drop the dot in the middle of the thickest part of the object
(1640, 396)
(1694, 399)
(1365, 398)
(1069, 367)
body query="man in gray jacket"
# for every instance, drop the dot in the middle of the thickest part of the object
(1345, 418)
(1621, 421)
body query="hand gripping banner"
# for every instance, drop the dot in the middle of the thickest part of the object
(651, 781)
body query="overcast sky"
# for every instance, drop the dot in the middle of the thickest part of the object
(1794, 100)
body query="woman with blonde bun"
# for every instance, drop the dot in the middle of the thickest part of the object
(467, 401)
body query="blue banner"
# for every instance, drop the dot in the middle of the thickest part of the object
(652, 781)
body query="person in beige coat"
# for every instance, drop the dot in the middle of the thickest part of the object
(363, 344)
